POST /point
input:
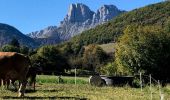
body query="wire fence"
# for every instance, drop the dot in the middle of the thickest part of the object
(152, 81)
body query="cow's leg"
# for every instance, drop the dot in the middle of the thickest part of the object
(19, 84)
(8, 82)
(34, 86)
(14, 84)
(2, 82)
(22, 87)
(34, 80)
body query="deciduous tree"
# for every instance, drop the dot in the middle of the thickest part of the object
(144, 48)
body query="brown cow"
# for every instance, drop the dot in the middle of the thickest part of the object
(31, 74)
(14, 66)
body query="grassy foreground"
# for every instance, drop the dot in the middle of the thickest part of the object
(48, 88)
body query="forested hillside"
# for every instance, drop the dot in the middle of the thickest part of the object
(155, 14)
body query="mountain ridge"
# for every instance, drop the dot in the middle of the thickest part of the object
(78, 19)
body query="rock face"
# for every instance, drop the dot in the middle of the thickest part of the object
(7, 33)
(78, 13)
(79, 18)
(42, 33)
(105, 13)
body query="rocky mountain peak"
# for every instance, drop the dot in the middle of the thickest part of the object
(78, 13)
(107, 12)
(45, 33)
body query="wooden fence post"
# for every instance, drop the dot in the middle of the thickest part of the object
(150, 78)
(141, 81)
(75, 76)
(160, 92)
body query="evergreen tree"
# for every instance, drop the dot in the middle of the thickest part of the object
(14, 42)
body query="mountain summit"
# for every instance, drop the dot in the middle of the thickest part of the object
(79, 18)
(78, 13)
(105, 13)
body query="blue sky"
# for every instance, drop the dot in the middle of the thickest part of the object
(33, 15)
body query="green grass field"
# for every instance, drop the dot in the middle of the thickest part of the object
(47, 87)
(108, 48)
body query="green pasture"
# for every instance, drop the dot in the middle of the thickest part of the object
(47, 87)
(66, 80)
(108, 48)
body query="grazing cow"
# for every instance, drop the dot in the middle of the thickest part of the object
(14, 66)
(32, 72)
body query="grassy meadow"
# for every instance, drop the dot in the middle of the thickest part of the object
(108, 48)
(47, 87)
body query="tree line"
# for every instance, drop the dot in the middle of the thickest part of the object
(58, 59)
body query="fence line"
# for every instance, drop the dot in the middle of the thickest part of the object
(150, 82)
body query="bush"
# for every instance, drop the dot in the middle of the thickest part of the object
(136, 83)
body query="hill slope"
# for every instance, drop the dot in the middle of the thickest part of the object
(155, 14)
(7, 33)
